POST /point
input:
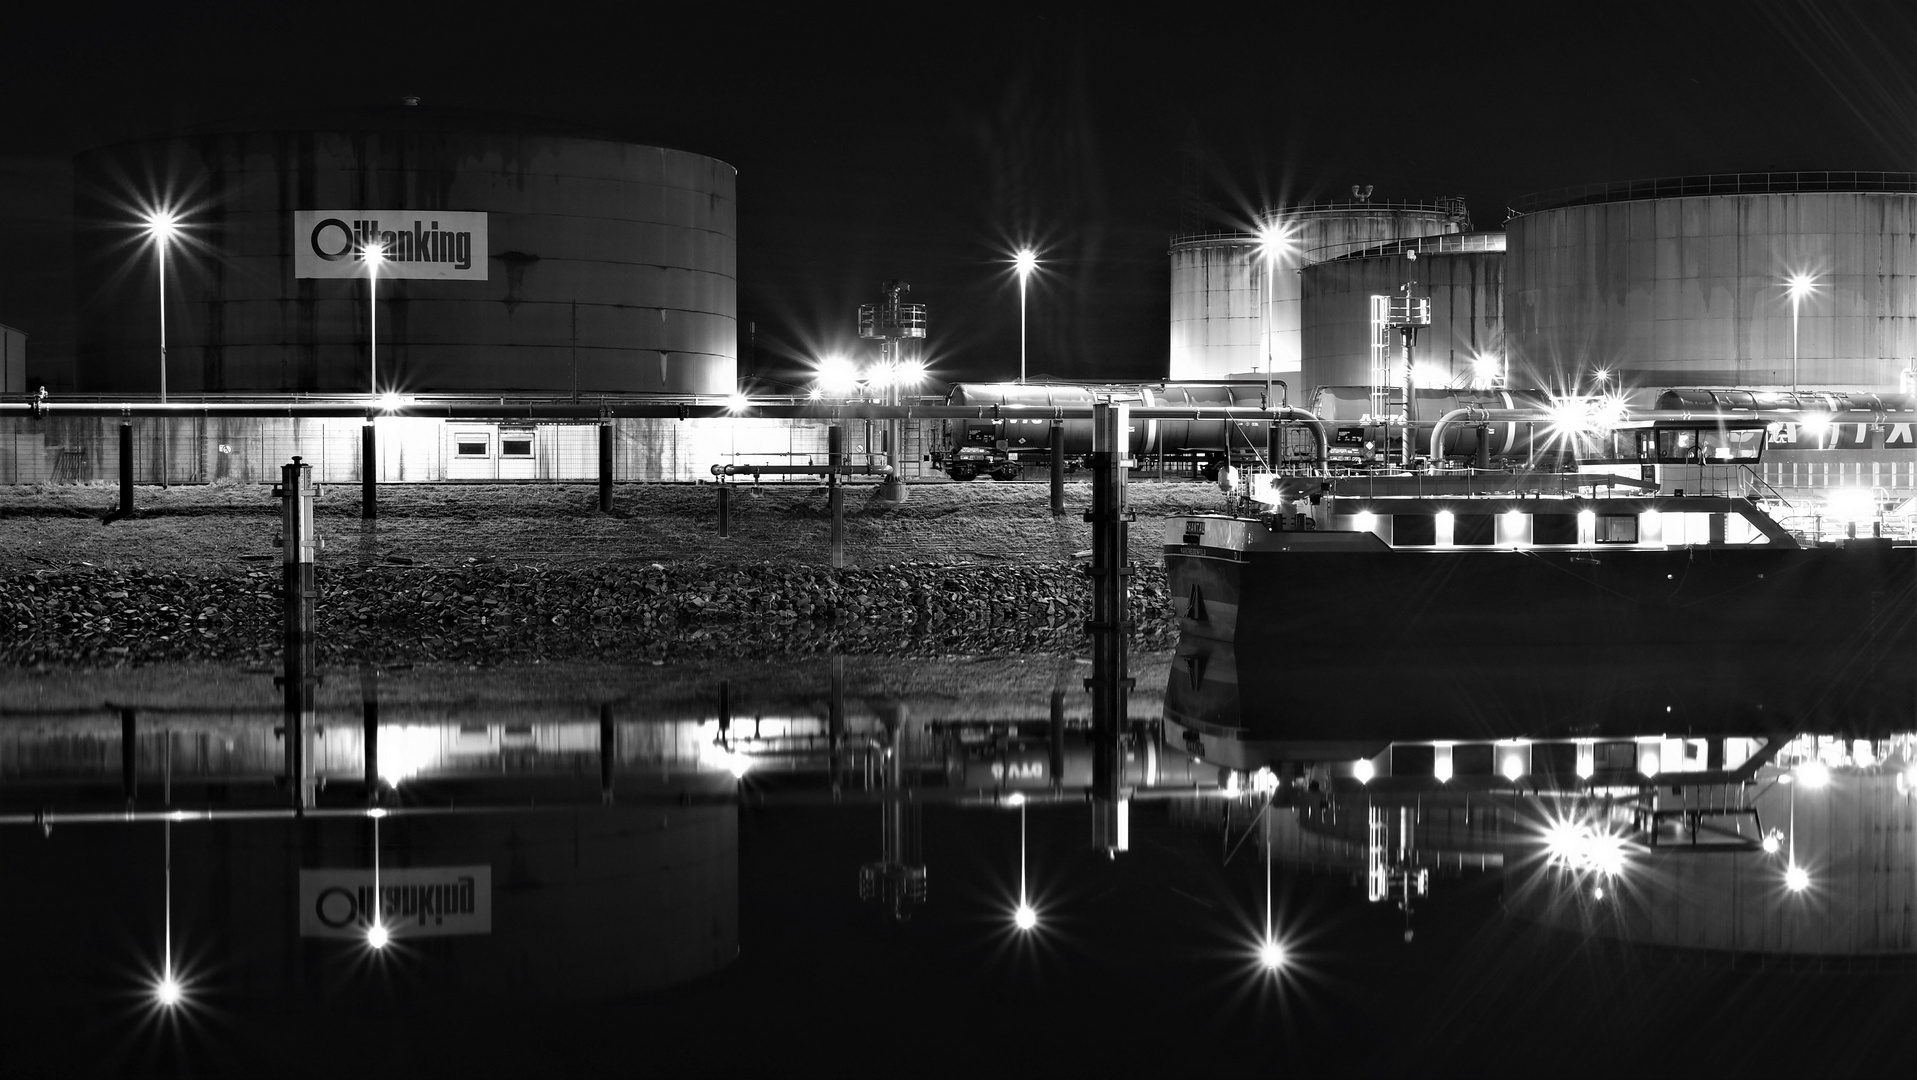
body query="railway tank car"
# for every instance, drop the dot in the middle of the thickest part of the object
(1019, 433)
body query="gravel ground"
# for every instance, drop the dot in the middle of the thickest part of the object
(494, 573)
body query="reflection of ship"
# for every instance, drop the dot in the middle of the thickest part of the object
(1476, 602)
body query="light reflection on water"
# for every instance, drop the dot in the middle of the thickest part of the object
(664, 835)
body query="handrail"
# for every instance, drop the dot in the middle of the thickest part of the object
(1764, 183)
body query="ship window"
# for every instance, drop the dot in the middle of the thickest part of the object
(1677, 447)
(1744, 444)
(1617, 529)
(1413, 760)
(1554, 529)
(515, 445)
(1555, 759)
(473, 444)
(1471, 759)
(1615, 757)
(1474, 529)
(1414, 530)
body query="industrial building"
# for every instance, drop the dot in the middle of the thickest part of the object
(512, 256)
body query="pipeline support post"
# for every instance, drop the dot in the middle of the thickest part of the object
(369, 731)
(126, 470)
(835, 492)
(725, 509)
(1058, 468)
(605, 468)
(368, 472)
(1110, 571)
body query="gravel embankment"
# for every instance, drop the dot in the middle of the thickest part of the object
(973, 570)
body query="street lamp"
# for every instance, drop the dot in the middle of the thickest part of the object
(375, 255)
(1272, 241)
(1023, 263)
(162, 227)
(1799, 286)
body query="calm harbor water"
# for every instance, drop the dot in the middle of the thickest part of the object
(765, 865)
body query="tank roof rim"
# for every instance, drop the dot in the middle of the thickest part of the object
(1702, 185)
(401, 119)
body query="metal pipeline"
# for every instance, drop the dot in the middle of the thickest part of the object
(1437, 429)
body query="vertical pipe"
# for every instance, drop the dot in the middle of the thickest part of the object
(299, 550)
(1058, 468)
(129, 755)
(126, 469)
(605, 468)
(835, 492)
(1273, 437)
(725, 509)
(1057, 732)
(1484, 446)
(368, 472)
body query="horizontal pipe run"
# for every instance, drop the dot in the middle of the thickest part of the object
(801, 470)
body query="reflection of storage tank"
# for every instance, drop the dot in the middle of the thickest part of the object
(607, 265)
(1684, 282)
(1463, 274)
(1226, 317)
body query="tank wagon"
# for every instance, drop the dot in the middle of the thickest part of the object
(1019, 434)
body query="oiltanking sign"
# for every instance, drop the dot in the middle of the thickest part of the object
(444, 244)
(429, 901)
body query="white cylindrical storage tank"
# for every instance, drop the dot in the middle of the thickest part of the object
(1228, 319)
(1463, 274)
(1687, 281)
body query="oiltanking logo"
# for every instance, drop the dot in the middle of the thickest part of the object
(440, 244)
(414, 902)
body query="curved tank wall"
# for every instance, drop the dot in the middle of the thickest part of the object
(610, 265)
(1462, 274)
(1225, 320)
(1690, 290)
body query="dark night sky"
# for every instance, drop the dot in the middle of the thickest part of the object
(922, 142)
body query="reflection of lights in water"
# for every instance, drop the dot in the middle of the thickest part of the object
(1773, 842)
(1797, 879)
(1271, 955)
(1648, 763)
(405, 752)
(1231, 783)
(1362, 771)
(167, 991)
(1025, 917)
(1513, 765)
(376, 935)
(1264, 781)
(1581, 847)
(1813, 775)
(1597, 893)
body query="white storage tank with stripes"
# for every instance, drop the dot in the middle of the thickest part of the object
(1688, 281)
(524, 257)
(1236, 300)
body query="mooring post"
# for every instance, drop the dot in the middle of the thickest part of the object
(369, 730)
(608, 752)
(368, 472)
(299, 553)
(835, 722)
(725, 509)
(1058, 468)
(126, 470)
(1110, 572)
(835, 491)
(605, 468)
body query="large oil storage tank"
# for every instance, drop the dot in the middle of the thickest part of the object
(1687, 281)
(1235, 299)
(522, 257)
(1462, 273)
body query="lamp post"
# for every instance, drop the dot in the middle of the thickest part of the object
(375, 255)
(1023, 263)
(1800, 286)
(1271, 243)
(162, 226)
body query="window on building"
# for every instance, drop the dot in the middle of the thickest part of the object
(515, 444)
(473, 444)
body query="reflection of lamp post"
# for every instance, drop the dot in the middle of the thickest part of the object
(377, 935)
(1799, 286)
(1023, 263)
(167, 990)
(1024, 918)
